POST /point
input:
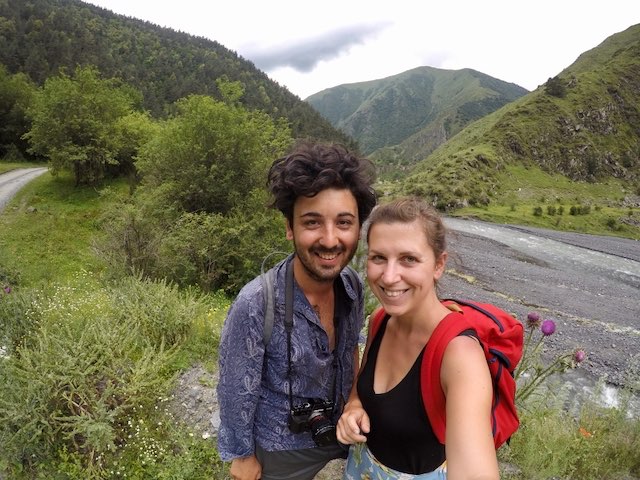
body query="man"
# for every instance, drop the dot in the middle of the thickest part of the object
(325, 194)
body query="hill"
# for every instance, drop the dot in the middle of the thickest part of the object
(41, 37)
(583, 126)
(410, 114)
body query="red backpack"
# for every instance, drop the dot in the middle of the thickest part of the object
(501, 336)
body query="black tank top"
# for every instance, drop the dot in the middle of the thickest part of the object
(401, 436)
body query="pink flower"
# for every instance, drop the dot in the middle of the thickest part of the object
(548, 327)
(7, 289)
(533, 319)
(579, 356)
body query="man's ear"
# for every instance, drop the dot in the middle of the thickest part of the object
(289, 229)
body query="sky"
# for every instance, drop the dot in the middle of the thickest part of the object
(310, 46)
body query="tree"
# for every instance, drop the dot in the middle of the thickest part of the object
(199, 215)
(16, 95)
(211, 155)
(75, 123)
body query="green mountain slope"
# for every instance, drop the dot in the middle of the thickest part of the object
(40, 37)
(420, 108)
(583, 125)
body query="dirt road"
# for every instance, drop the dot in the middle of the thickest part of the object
(14, 180)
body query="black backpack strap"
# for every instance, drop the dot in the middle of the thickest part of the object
(268, 281)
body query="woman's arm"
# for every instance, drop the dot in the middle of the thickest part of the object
(466, 382)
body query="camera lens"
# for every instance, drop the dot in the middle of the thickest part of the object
(323, 431)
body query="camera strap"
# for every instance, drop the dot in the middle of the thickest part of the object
(288, 326)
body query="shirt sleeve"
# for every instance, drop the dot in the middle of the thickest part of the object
(240, 359)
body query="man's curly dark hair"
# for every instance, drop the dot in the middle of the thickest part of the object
(314, 167)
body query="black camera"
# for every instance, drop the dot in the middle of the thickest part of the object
(314, 416)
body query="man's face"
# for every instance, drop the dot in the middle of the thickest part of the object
(325, 231)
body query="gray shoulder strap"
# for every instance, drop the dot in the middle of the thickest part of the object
(355, 278)
(269, 304)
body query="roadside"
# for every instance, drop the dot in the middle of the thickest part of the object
(14, 180)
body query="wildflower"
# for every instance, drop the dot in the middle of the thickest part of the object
(579, 356)
(7, 289)
(548, 327)
(585, 433)
(533, 319)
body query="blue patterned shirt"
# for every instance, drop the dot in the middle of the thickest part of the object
(253, 390)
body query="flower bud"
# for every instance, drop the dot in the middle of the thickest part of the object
(548, 327)
(533, 319)
(579, 356)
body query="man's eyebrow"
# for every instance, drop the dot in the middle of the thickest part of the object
(318, 215)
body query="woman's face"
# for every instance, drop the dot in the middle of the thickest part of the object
(402, 269)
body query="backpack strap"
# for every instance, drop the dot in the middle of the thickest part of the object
(433, 397)
(268, 279)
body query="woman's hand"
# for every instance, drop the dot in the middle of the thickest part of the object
(353, 424)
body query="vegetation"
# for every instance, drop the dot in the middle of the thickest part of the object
(89, 366)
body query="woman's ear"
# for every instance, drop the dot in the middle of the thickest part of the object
(441, 261)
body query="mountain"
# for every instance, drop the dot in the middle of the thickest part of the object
(418, 109)
(41, 37)
(583, 125)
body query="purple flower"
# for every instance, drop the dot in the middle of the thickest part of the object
(533, 319)
(579, 356)
(7, 289)
(548, 327)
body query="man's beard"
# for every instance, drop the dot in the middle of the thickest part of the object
(317, 273)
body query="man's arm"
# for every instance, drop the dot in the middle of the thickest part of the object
(240, 361)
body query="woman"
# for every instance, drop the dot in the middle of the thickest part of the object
(406, 257)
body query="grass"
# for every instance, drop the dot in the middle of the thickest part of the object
(529, 188)
(47, 229)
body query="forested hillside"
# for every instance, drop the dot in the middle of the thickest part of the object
(583, 124)
(410, 114)
(40, 37)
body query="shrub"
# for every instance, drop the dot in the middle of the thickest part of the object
(537, 211)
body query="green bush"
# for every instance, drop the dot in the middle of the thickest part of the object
(83, 389)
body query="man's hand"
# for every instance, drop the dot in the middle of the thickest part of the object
(245, 468)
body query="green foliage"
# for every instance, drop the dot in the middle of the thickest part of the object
(199, 217)
(537, 211)
(555, 87)
(46, 232)
(74, 123)
(16, 96)
(210, 155)
(76, 380)
(86, 386)
(598, 442)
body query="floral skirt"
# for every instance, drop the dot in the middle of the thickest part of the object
(362, 465)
